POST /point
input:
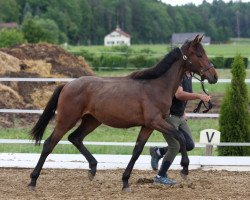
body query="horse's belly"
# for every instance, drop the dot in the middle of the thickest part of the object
(120, 124)
(119, 118)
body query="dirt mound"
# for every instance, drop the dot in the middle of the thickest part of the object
(62, 62)
(40, 67)
(40, 99)
(8, 63)
(35, 60)
(10, 98)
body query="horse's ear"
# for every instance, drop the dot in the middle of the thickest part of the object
(200, 39)
(196, 40)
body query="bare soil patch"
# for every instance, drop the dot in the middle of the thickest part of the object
(74, 184)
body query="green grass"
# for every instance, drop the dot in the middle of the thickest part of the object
(101, 134)
(228, 50)
(108, 134)
(240, 40)
(226, 73)
(217, 88)
(70, 149)
(236, 46)
(160, 49)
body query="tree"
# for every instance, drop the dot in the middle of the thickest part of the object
(179, 22)
(40, 30)
(234, 116)
(85, 25)
(10, 37)
(32, 32)
(151, 21)
(50, 30)
(27, 11)
(9, 11)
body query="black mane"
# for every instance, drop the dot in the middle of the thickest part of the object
(160, 68)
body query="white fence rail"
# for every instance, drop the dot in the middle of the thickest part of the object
(36, 79)
(25, 111)
(71, 79)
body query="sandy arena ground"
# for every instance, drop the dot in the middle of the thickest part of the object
(74, 184)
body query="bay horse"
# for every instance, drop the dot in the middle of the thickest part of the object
(142, 98)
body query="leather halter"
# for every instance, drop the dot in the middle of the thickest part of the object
(190, 64)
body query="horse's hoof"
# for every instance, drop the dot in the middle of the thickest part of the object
(31, 188)
(126, 189)
(183, 176)
(90, 175)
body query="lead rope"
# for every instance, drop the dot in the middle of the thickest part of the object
(210, 105)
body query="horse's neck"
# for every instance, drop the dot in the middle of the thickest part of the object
(171, 79)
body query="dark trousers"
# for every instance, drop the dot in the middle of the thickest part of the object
(173, 147)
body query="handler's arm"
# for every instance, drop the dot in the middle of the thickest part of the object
(186, 96)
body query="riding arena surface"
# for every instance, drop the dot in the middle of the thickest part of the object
(74, 184)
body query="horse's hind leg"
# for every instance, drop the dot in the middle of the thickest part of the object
(48, 146)
(141, 140)
(87, 125)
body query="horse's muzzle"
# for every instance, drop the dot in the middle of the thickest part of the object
(213, 80)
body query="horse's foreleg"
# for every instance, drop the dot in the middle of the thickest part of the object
(88, 124)
(141, 140)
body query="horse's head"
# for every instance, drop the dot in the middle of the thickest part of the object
(197, 60)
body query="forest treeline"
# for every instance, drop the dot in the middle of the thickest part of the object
(147, 21)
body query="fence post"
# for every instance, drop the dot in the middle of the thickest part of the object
(208, 150)
(209, 137)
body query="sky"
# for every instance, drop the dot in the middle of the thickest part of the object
(196, 2)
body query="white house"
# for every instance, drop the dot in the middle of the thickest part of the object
(116, 38)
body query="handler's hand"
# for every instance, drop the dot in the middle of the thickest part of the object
(204, 97)
(184, 116)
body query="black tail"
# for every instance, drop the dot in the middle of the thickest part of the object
(49, 111)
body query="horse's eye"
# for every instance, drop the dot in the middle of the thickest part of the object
(199, 55)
